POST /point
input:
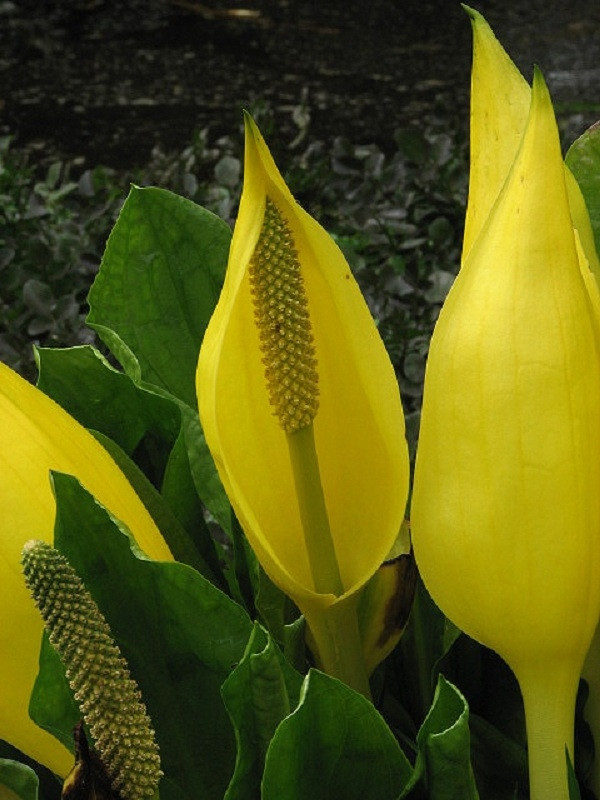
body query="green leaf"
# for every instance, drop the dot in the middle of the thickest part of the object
(180, 635)
(583, 159)
(181, 545)
(157, 287)
(243, 577)
(443, 762)
(258, 694)
(181, 495)
(294, 643)
(82, 381)
(52, 705)
(335, 744)
(499, 762)
(427, 638)
(203, 470)
(148, 427)
(574, 793)
(19, 779)
(274, 607)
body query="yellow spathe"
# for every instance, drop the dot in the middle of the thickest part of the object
(359, 425)
(36, 436)
(506, 508)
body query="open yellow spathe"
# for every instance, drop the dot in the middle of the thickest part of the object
(37, 436)
(359, 425)
(506, 509)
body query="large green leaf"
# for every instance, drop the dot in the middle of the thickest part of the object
(443, 762)
(162, 435)
(334, 745)
(181, 544)
(158, 284)
(99, 397)
(258, 694)
(583, 159)
(20, 780)
(180, 635)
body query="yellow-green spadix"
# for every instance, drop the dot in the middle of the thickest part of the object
(506, 508)
(292, 362)
(37, 436)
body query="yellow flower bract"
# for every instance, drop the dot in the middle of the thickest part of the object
(506, 509)
(359, 425)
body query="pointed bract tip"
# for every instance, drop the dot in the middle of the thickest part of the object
(538, 78)
(475, 16)
(250, 125)
(540, 94)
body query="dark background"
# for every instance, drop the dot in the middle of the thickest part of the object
(108, 80)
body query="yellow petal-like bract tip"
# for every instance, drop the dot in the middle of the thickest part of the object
(500, 98)
(36, 436)
(358, 422)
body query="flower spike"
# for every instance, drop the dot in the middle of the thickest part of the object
(283, 320)
(108, 697)
(37, 436)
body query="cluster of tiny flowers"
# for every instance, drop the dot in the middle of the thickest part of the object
(282, 318)
(109, 699)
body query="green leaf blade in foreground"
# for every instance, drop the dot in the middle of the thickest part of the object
(334, 745)
(17, 782)
(158, 284)
(180, 635)
(182, 546)
(161, 434)
(258, 694)
(101, 398)
(443, 763)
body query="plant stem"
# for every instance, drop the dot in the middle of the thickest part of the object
(334, 629)
(338, 644)
(313, 512)
(549, 691)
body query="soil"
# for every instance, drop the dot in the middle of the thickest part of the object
(108, 81)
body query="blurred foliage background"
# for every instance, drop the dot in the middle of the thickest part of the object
(398, 219)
